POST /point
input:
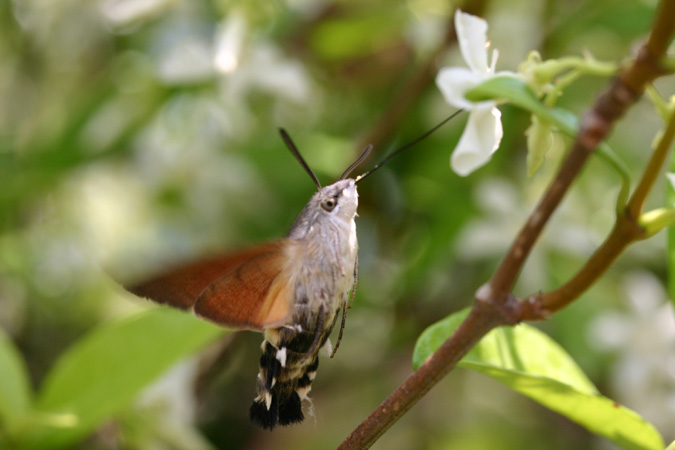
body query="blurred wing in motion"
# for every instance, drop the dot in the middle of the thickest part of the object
(249, 289)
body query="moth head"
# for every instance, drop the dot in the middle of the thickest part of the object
(339, 199)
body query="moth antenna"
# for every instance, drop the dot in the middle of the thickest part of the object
(408, 145)
(294, 150)
(358, 161)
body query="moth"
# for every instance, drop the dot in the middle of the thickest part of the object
(293, 290)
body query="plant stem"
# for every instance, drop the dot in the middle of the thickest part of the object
(624, 232)
(652, 170)
(474, 327)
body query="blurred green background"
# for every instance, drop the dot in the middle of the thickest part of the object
(135, 133)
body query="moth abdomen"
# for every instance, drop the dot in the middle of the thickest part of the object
(280, 405)
(285, 376)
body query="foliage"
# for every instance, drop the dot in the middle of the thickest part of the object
(96, 377)
(529, 362)
(135, 134)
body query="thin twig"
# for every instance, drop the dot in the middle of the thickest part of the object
(652, 170)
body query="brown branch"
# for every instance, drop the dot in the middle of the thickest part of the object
(494, 305)
(475, 326)
(499, 287)
(625, 231)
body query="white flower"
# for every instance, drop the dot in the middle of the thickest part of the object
(483, 131)
(643, 340)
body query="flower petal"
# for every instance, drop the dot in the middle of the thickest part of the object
(454, 82)
(472, 38)
(481, 137)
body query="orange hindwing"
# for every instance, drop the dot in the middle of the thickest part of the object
(249, 289)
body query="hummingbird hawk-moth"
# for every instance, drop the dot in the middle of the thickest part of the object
(291, 289)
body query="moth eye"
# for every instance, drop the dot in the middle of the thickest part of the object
(329, 204)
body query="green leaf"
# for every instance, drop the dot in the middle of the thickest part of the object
(103, 372)
(434, 336)
(539, 141)
(518, 93)
(526, 360)
(15, 393)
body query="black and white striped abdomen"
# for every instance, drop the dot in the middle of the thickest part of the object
(287, 371)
